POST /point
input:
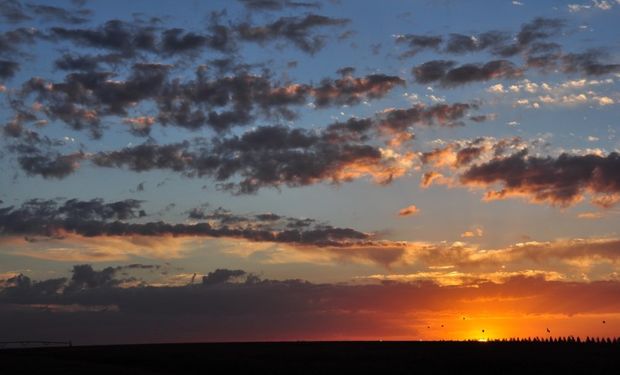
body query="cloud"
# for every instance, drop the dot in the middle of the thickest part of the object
(562, 180)
(221, 276)
(418, 43)
(8, 69)
(140, 125)
(96, 231)
(588, 63)
(84, 276)
(264, 309)
(447, 75)
(53, 13)
(476, 232)
(274, 5)
(408, 211)
(445, 115)
(266, 157)
(12, 11)
(219, 101)
(460, 153)
(51, 218)
(567, 93)
(297, 30)
(271, 156)
(598, 4)
(11, 41)
(532, 43)
(499, 43)
(351, 90)
(50, 166)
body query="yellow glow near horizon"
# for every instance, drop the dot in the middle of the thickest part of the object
(506, 326)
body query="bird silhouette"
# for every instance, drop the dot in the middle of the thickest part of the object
(442, 326)
(483, 331)
(604, 322)
(548, 331)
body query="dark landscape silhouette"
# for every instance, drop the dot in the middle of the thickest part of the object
(565, 355)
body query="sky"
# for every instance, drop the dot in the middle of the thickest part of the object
(309, 170)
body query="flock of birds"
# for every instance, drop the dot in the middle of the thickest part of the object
(548, 330)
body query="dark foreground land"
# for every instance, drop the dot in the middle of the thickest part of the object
(319, 358)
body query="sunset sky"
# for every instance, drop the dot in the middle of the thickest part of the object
(296, 170)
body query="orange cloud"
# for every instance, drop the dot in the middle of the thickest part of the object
(477, 232)
(409, 210)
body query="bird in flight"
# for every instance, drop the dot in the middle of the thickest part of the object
(548, 331)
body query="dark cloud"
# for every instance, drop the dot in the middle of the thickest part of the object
(447, 75)
(267, 310)
(460, 43)
(298, 30)
(563, 180)
(132, 38)
(178, 41)
(11, 41)
(532, 43)
(269, 156)
(499, 43)
(39, 155)
(83, 62)
(52, 13)
(449, 115)
(539, 29)
(221, 102)
(114, 34)
(418, 43)
(8, 69)
(74, 210)
(52, 218)
(468, 154)
(432, 71)
(588, 63)
(267, 217)
(22, 287)
(87, 63)
(50, 165)
(85, 277)
(221, 276)
(351, 90)
(84, 97)
(12, 11)
(271, 5)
